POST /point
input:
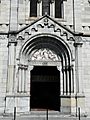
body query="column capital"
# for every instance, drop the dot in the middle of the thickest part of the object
(12, 42)
(21, 66)
(78, 41)
(77, 44)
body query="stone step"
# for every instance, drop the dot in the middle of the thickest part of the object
(42, 115)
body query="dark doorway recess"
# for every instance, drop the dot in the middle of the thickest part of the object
(45, 88)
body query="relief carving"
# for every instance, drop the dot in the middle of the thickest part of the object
(45, 55)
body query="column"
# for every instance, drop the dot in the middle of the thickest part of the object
(78, 13)
(29, 81)
(72, 80)
(61, 81)
(39, 8)
(11, 63)
(13, 15)
(27, 7)
(68, 80)
(23, 80)
(64, 81)
(20, 80)
(78, 66)
(52, 8)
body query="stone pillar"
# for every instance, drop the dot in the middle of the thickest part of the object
(29, 82)
(19, 81)
(80, 98)
(68, 81)
(78, 15)
(13, 15)
(72, 80)
(11, 63)
(39, 8)
(22, 81)
(64, 81)
(61, 80)
(52, 8)
(78, 65)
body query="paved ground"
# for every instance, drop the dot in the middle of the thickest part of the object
(42, 117)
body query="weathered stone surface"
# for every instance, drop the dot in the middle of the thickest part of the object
(14, 66)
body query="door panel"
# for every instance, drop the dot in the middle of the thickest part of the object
(45, 88)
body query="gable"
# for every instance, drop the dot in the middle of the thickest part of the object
(45, 25)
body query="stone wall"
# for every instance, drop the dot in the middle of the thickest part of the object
(3, 70)
(86, 72)
(82, 19)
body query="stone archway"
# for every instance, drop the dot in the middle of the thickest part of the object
(49, 51)
(45, 88)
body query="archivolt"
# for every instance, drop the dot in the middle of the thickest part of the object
(60, 48)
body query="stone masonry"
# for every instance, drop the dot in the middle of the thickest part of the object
(18, 29)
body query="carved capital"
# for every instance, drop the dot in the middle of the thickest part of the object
(78, 41)
(12, 42)
(77, 44)
(21, 66)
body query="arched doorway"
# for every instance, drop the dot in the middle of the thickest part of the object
(45, 88)
(45, 54)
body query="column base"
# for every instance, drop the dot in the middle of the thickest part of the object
(21, 102)
(71, 103)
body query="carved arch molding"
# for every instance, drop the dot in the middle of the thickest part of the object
(47, 48)
(52, 49)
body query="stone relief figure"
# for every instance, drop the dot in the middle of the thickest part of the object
(45, 54)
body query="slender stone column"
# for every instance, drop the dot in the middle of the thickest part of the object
(11, 63)
(13, 15)
(64, 81)
(61, 80)
(20, 80)
(78, 13)
(78, 65)
(39, 8)
(68, 81)
(52, 8)
(72, 79)
(29, 81)
(12, 46)
(23, 80)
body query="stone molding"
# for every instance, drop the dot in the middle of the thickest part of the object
(45, 25)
